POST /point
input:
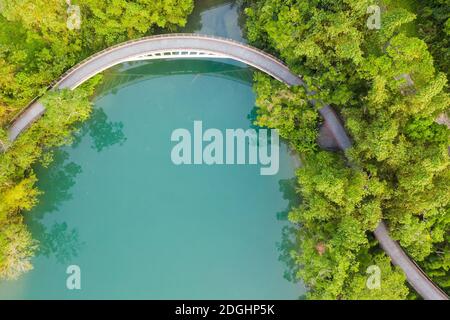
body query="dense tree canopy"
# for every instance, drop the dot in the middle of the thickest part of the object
(434, 28)
(389, 92)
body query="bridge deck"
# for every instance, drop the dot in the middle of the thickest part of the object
(134, 49)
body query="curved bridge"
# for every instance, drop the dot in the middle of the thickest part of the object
(167, 46)
(416, 277)
(202, 46)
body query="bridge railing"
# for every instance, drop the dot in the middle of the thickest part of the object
(124, 44)
(132, 41)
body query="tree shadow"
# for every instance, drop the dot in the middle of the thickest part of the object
(131, 73)
(288, 187)
(288, 243)
(103, 133)
(252, 117)
(57, 180)
(58, 241)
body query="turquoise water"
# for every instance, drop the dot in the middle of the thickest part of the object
(140, 227)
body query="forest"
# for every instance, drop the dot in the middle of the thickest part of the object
(389, 85)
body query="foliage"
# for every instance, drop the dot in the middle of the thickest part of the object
(391, 284)
(116, 21)
(287, 111)
(36, 47)
(385, 84)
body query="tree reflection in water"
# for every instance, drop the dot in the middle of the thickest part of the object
(103, 133)
(58, 240)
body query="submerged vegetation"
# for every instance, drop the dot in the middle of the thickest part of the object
(387, 88)
(36, 47)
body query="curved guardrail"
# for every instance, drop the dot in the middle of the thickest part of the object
(416, 277)
(252, 56)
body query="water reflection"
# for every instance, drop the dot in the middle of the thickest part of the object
(252, 117)
(55, 194)
(131, 73)
(288, 243)
(62, 242)
(58, 240)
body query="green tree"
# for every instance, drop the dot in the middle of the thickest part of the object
(36, 47)
(385, 84)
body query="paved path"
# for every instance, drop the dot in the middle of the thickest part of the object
(414, 274)
(183, 44)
